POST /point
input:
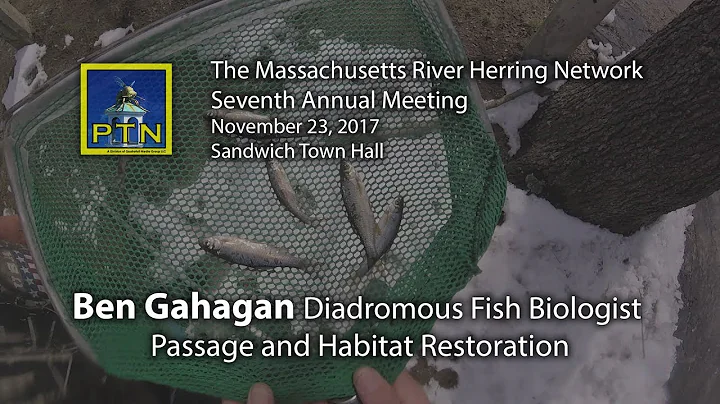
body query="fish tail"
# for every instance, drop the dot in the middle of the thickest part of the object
(368, 264)
(363, 269)
(372, 260)
(371, 250)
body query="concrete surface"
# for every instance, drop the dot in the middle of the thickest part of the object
(636, 21)
(566, 28)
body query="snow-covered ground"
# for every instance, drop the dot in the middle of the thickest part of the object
(68, 40)
(604, 53)
(29, 72)
(113, 35)
(513, 115)
(541, 251)
(27, 75)
(609, 19)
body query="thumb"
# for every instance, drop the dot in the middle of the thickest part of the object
(372, 388)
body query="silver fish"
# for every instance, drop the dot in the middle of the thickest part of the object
(251, 253)
(364, 268)
(284, 190)
(386, 229)
(237, 116)
(388, 226)
(358, 209)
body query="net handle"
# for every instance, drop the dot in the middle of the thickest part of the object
(475, 94)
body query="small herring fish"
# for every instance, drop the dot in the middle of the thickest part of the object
(386, 229)
(237, 116)
(358, 209)
(251, 253)
(388, 226)
(284, 190)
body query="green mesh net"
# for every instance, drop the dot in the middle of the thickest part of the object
(125, 229)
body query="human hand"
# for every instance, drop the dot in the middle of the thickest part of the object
(370, 386)
(374, 389)
(11, 230)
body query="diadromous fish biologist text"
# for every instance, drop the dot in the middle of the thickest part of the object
(248, 317)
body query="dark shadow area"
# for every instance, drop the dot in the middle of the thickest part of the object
(35, 351)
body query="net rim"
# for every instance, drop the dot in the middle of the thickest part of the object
(27, 108)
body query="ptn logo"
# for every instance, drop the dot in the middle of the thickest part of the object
(126, 108)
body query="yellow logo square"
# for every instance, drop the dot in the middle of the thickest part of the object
(126, 109)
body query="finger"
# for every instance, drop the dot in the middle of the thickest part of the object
(260, 393)
(373, 388)
(409, 390)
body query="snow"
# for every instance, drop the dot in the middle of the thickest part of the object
(27, 75)
(108, 37)
(68, 40)
(604, 52)
(609, 19)
(540, 251)
(513, 115)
